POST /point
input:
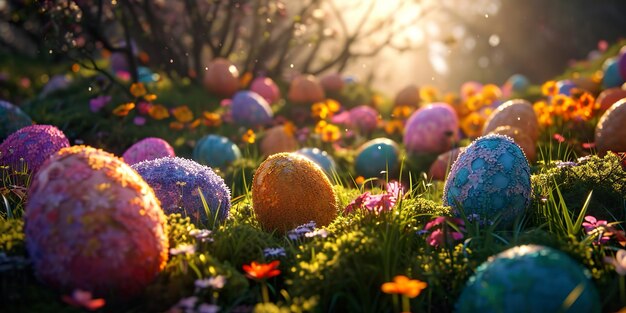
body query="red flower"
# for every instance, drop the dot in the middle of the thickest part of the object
(83, 299)
(260, 271)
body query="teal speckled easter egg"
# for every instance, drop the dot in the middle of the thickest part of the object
(490, 180)
(529, 278)
(216, 151)
(376, 157)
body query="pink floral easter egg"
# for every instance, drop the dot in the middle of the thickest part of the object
(610, 131)
(266, 88)
(278, 139)
(517, 113)
(432, 129)
(221, 77)
(148, 149)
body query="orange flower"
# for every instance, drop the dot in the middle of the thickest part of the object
(586, 100)
(549, 88)
(545, 119)
(260, 271)
(472, 125)
(289, 128)
(150, 97)
(195, 123)
(319, 127)
(245, 79)
(182, 114)
(330, 133)
(158, 112)
(429, 94)
(332, 105)
(359, 180)
(402, 111)
(249, 136)
(491, 93)
(124, 109)
(177, 125)
(319, 110)
(403, 285)
(212, 119)
(138, 89)
(394, 126)
(475, 102)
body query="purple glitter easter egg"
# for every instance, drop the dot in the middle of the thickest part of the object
(30, 146)
(249, 109)
(177, 183)
(93, 224)
(364, 118)
(266, 88)
(148, 149)
(432, 129)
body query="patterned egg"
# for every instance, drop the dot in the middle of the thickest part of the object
(92, 223)
(278, 139)
(332, 82)
(609, 96)
(376, 157)
(148, 149)
(177, 183)
(610, 130)
(266, 88)
(221, 77)
(12, 118)
(31, 146)
(289, 190)
(432, 129)
(517, 113)
(529, 278)
(250, 110)
(216, 151)
(364, 118)
(321, 158)
(440, 168)
(409, 95)
(306, 89)
(612, 76)
(489, 180)
(521, 139)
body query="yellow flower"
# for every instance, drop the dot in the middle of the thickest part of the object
(491, 93)
(212, 119)
(137, 89)
(545, 119)
(150, 97)
(124, 109)
(319, 110)
(332, 105)
(475, 102)
(158, 112)
(549, 88)
(401, 284)
(429, 94)
(394, 126)
(319, 127)
(289, 128)
(472, 125)
(330, 133)
(182, 114)
(402, 111)
(249, 136)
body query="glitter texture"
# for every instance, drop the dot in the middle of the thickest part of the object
(31, 146)
(431, 129)
(12, 118)
(148, 149)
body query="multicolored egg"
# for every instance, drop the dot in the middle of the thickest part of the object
(29, 147)
(529, 278)
(278, 139)
(609, 96)
(12, 118)
(249, 109)
(409, 95)
(441, 166)
(177, 182)
(93, 224)
(364, 118)
(610, 131)
(377, 157)
(521, 139)
(332, 82)
(290, 190)
(148, 149)
(517, 113)
(612, 76)
(221, 77)
(306, 89)
(266, 88)
(432, 129)
(216, 151)
(490, 180)
(321, 158)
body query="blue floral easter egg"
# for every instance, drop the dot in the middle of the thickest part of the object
(249, 109)
(216, 151)
(321, 158)
(490, 180)
(376, 157)
(529, 278)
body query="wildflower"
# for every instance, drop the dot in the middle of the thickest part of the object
(183, 249)
(83, 299)
(394, 126)
(260, 271)
(249, 136)
(359, 180)
(137, 90)
(158, 112)
(96, 104)
(216, 282)
(187, 303)
(357, 203)
(385, 201)
(176, 125)
(274, 252)
(245, 79)
(429, 94)
(208, 308)
(124, 109)
(289, 128)
(599, 228)
(301, 230)
(491, 93)
(194, 124)
(211, 119)
(549, 88)
(472, 125)
(402, 111)
(139, 120)
(319, 110)
(402, 285)
(330, 133)
(619, 262)
(150, 97)
(558, 137)
(144, 107)
(317, 233)
(446, 231)
(182, 114)
(563, 164)
(203, 235)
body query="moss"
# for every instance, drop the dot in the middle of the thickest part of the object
(12, 236)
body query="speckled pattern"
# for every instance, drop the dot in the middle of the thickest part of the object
(216, 151)
(148, 149)
(176, 181)
(432, 129)
(289, 190)
(31, 146)
(517, 113)
(610, 131)
(490, 178)
(376, 156)
(250, 110)
(12, 118)
(528, 278)
(92, 223)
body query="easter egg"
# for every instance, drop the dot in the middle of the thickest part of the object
(93, 224)
(332, 82)
(278, 139)
(29, 147)
(432, 129)
(56, 83)
(376, 157)
(610, 132)
(621, 63)
(518, 82)
(148, 149)
(177, 182)
(521, 139)
(489, 180)
(409, 95)
(216, 151)
(12, 118)
(289, 190)
(609, 96)
(221, 77)
(364, 118)
(588, 84)
(266, 88)
(321, 158)
(250, 110)
(565, 86)
(612, 76)
(529, 278)
(305, 89)
(518, 113)
(441, 166)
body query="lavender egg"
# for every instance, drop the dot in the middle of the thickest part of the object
(249, 109)
(432, 129)
(364, 118)
(148, 149)
(31, 146)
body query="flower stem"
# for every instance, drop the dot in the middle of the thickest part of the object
(264, 292)
(622, 290)
(406, 305)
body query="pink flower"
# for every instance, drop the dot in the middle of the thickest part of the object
(83, 299)
(619, 261)
(377, 203)
(139, 120)
(357, 203)
(438, 237)
(144, 107)
(600, 228)
(559, 138)
(96, 104)
(445, 230)
(592, 223)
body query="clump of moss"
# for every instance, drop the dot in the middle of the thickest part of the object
(179, 229)
(12, 236)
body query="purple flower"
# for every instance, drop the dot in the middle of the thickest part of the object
(274, 252)
(301, 230)
(594, 227)
(216, 282)
(96, 104)
(83, 299)
(204, 235)
(139, 120)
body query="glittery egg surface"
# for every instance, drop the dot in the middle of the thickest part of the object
(376, 157)
(216, 151)
(177, 183)
(266, 88)
(30, 147)
(148, 149)
(489, 180)
(321, 158)
(92, 223)
(529, 278)
(12, 118)
(249, 109)
(516, 113)
(432, 129)
(278, 139)
(289, 190)
(610, 131)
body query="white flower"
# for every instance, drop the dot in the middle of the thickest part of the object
(619, 261)
(183, 249)
(216, 282)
